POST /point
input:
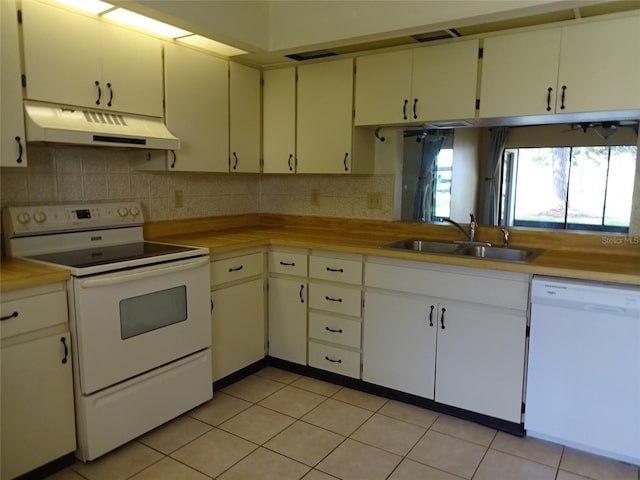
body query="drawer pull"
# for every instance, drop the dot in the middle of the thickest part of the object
(329, 269)
(237, 269)
(66, 349)
(7, 317)
(331, 299)
(332, 360)
(285, 264)
(332, 330)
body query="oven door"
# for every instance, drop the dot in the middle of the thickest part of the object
(132, 321)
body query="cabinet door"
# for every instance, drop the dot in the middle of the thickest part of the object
(238, 327)
(279, 121)
(600, 66)
(517, 72)
(62, 54)
(383, 88)
(325, 102)
(244, 118)
(131, 71)
(37, 421)
(444, 82)
(288, 319)
(12, 139)
(399, 343)
(480, 360)
(197, 103)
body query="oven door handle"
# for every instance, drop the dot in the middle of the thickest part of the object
(130, 277)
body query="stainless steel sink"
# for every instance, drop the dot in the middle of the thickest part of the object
(487, 252)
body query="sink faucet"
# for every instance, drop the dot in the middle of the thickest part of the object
(472, 226)
(505, 237)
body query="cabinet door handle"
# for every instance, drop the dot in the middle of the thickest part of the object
(173, 163)
(237, 269)
(301, 290)
(289, 162)
(7, 317)
(332, 330)
(404, 109)
(99, 92)
(442, 318)
(66, 349)
(292, 264)
(329, 269)
(549, 90)
(19, 159)
(110, 95)
(564, 90)
(211, 300)
(235, 163)
(346, 167)
(415, 103)
(431, 316)
(332, 360)
(331, 299)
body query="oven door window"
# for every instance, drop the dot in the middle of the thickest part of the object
(151, 311)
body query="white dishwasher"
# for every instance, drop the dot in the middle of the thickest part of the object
(583, 380)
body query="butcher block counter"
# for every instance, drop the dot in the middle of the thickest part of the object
(16, 273)
(601, 257)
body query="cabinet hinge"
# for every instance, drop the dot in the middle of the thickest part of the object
(19, 16)
(528, 331)
(480, 52)
(477, 104)
(522, 408)
(23, 79)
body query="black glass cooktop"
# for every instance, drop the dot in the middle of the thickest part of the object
(113, 254)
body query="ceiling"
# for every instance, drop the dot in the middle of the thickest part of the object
(276, 32)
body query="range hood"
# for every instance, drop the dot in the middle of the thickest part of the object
(50, 123)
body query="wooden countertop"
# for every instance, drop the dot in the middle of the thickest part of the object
(16, 273)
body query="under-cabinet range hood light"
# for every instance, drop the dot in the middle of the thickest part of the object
(147, 24)
(48, 123)
(89, 6)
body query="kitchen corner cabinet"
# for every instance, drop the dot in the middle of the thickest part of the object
(588, 67)
(12, 134)
(37, 410)
(435, 83)
(77, 60)
(279, 121)
(288, 300)
(238, 312)
(197, 109)
(244, 119)
(451, 334)
(326, 139)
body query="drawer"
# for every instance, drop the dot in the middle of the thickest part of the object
(333, 359)
(236, 268)
(33, 313)
(335, 329)
(335, 269)
(336, 299)
(288, 263)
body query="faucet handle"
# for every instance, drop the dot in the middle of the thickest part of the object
(505, 235)
(473, 217)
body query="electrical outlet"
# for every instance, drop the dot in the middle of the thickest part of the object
(374, 200)
(178, 200)
(315, 197)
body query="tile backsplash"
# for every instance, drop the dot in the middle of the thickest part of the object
(76, 175)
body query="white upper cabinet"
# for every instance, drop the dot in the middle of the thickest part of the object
(435, 83)
(12, 138)
(244, 119)
(197, 109)
(279, 121)
(77, 60)
(590, 67)
(325, 103)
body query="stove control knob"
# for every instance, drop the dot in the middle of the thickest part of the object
(24, 217)
(123, 212)
(135, 211)
(40, 217)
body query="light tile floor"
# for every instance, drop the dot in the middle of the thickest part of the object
(279, 425)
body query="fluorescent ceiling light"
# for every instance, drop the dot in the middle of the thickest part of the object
(145, 23)
(90, 6)
(211, 45)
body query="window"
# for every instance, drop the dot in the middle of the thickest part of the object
(584, 187)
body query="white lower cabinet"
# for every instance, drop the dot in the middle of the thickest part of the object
(36, 406)
(238, 315)
(453, 334)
